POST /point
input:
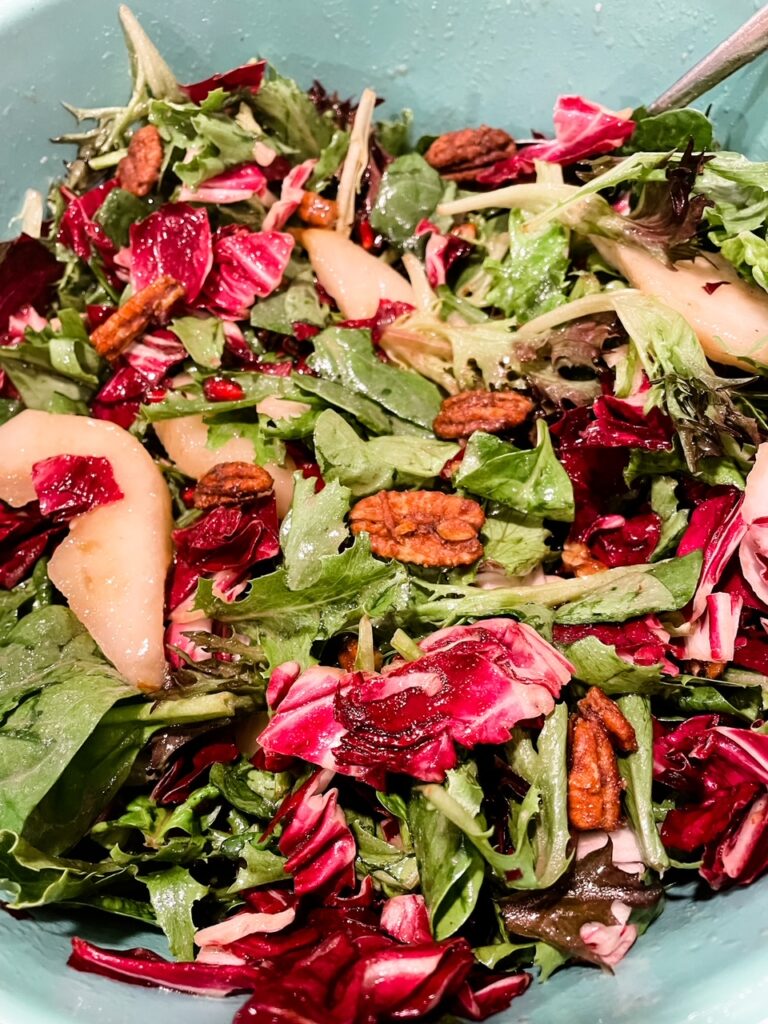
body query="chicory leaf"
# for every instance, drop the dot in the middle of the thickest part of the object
(517, 543)
(202, 337)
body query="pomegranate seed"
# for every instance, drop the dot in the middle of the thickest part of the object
(219, 389)
(155, 395)
(188, 496)
(367, 236)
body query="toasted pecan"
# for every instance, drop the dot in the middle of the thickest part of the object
(318, 211)
(491, 411)
(139, 170)
(579, 560)
(152, 304)
(600, 708)
(421, 527)
(594, 783)
(231, 483)
(461, 154)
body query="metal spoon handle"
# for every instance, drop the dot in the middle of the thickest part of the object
(743, 46)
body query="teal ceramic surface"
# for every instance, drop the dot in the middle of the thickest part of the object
(455, 63)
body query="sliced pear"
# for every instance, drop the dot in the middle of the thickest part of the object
(353, 277)
(111, 567)
(731, 322)
(185, 439)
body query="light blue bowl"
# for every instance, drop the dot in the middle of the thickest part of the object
(455, 63)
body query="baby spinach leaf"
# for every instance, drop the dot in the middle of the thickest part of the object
(173, 893)
(409, 191)
(202, 337)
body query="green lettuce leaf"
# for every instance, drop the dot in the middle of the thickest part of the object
(206, 142)
(329, 161)
(290, 114)
(378, 464)
(598, 664)
(54, 370)
(612, 596)
(190, 400)
(286, 622)
(531, 278)
(298, 303)
(409, 191)
(392, 866)
(516, 543)
(451, 870)
(637, 772)
(29, 878)
(673, 519)
(672, 129)
(347, 357)
(118, 211)
(252, 791)
(202, 337)
(367, 412)
(313, 529)
(532, 482)
(173, 893)
(748, 253)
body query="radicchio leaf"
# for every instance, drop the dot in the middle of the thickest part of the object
(28, 271)
(25, 536)
(247, 78)
(471, 686)
(291, 194)
(230, 537)
(233, 186)
(173, 241)
(246, 265)
(70, 485)
(78, 230)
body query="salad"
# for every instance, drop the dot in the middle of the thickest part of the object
(383, 542)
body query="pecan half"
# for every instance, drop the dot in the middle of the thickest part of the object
(600, 708)
(318, 211)
(421, 527)
(460, 155)
(231, 483)
(491, 411)
(139, 170)
(594, 783)
(152, 304)
(578, 559)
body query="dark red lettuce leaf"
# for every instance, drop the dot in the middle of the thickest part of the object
(79, 231)
(28, 270)
(247, 78)
(494, 995)
(584, 895)
(183, 773)
(632, 542)
(25, 536)
(230, 538)
(69, 485)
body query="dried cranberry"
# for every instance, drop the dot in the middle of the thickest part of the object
(219, 389)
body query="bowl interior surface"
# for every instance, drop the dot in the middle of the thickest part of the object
(502, 62)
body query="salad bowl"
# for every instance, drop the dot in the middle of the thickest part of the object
(504, 62)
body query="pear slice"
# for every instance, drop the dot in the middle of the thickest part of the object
(185, 439)
(353, 277)
(731, 321)
(111, 566)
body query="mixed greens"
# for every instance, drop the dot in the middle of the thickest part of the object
(343, 775)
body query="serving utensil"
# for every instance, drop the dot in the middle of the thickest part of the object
(740, 48)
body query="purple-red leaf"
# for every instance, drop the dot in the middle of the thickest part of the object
(246, 265)
(28, 271)
(174, 241)
(247, 78)
(69, 485)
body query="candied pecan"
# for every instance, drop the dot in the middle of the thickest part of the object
(348, 656)
(422, 527)
(318, 211)
(579, 560)
(460, 155)
(152, 304)
(231, 483)
(139, 170)
(600, 708)
(491, 411)
(709, 669)
(594, 783)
